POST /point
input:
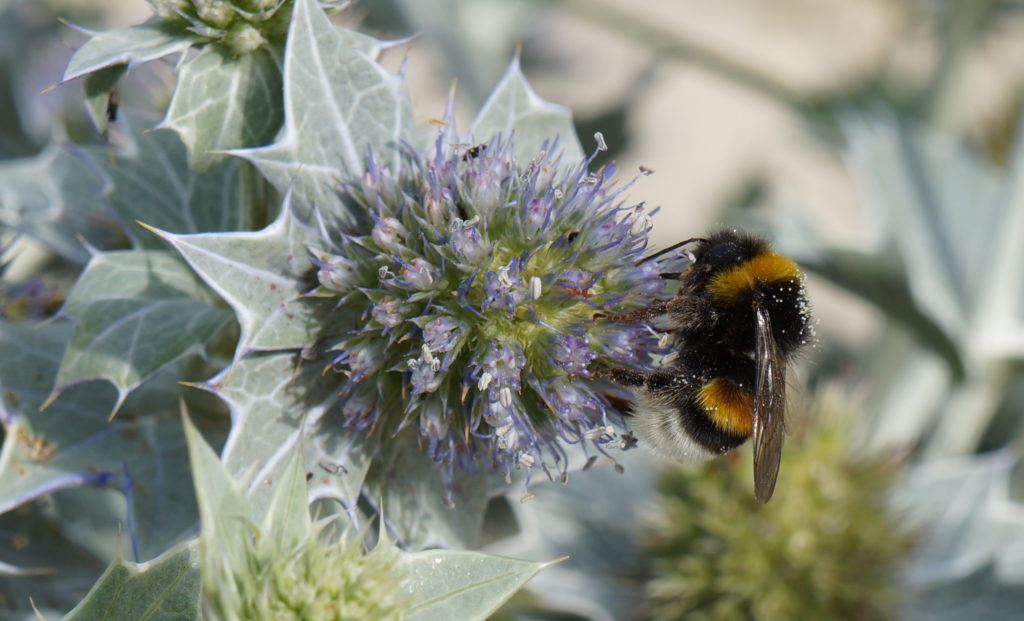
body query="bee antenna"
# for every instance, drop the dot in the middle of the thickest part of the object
(670, 249)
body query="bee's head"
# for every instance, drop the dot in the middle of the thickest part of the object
(724, 250)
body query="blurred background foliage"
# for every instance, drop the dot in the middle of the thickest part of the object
(876, 141)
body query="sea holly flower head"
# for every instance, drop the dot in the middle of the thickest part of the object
(242, 25)
(471, 296)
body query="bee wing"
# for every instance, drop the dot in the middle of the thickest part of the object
(769, 405)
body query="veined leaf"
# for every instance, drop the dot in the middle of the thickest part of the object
(135, 313)
(277, 403)
(338, 104)
(152, 183)
(225, 102)
(134, 44)
(262, 276)
(73, 444)
(457, 584)
(514, 110)
(165, 588)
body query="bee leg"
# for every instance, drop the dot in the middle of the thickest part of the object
(677, 305)
(646, 313)
(637, 379)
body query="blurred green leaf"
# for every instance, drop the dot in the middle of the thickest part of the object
(412, 493)
(287, 520)
(135, 313)
(56, 198)
(600, 579)
(879, 281)
(223, 511)
(969, 565)
(73, 444)
(165, 588)
(60, 571)
(98, 88)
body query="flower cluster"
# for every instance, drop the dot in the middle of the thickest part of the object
(825, 547)
(313, 581)
(471, 299)
(241, 25)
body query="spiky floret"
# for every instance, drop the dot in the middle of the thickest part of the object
(242, 25)
(467, 307)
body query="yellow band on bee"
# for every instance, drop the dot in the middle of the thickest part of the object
(729, 406)
(762, 268)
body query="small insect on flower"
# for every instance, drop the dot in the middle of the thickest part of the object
(739, 316)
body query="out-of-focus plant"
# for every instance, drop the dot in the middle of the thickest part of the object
(947, 269)
(827, 547)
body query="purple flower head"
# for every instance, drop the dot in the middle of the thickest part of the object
(477, 286)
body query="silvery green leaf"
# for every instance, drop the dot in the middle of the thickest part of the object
(287, 521)
(999, 323)
(409, 485)
(513, 109)
(223, 102)
(223, 511)
(56, 198)
(134, 44)
(972, 520)
(277, 402)
(599, 579)
(98, 88)
(979, 596)
(263, 276)
(55, 571)
(72, 443)
(457, 584)
(164, 588)
(946, 204)
(152, 183)
(370, 46)
(878, 279)
(135, 313)
(338, 103)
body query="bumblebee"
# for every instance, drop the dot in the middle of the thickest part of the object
(739, 317)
